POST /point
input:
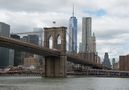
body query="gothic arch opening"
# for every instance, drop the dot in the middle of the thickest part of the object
(58, 42)
(58, 39)
(50, 42)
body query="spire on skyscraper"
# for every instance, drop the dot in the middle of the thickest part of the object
(73, 9)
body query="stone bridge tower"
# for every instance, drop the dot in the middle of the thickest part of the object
(55, 38)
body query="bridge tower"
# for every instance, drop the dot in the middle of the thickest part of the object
(55, 38)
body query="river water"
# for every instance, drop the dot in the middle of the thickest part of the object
(70, 83)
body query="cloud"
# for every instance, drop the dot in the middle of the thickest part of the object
(33, 5)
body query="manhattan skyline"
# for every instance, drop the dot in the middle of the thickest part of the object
(109, 18)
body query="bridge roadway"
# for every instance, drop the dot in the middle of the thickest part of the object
(77, 60)
(25, 46)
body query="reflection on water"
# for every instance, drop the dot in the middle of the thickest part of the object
(71, 83)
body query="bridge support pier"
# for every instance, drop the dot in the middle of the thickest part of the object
(55, 66)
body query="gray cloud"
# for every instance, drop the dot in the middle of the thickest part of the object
(33, 5)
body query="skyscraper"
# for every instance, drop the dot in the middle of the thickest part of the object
(33, 39)
(4, 52)
(17, 53)
(113, 63)
(88, 39)
(73, 33)
(106, 60)
(40, 35)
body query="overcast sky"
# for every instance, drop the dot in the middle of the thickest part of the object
(110, 19)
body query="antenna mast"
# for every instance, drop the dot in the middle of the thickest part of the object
(73, 9)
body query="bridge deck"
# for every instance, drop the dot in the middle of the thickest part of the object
(25, 46)
(78, 60)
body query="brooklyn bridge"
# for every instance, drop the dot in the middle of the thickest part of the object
(56, 57)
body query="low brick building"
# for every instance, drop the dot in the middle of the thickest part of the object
(124, 63)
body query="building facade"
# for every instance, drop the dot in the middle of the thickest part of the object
(31, 61)
(73, 34)
(88, 39)
(4, 52)
(124, 63)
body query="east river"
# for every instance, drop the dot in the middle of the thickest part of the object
(70, 83)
